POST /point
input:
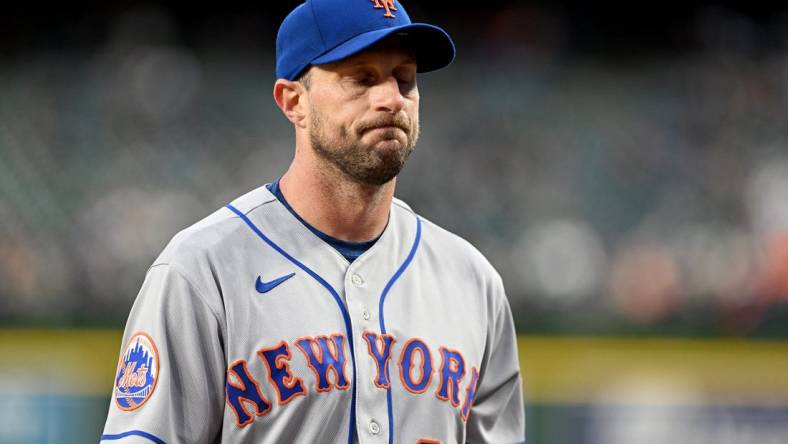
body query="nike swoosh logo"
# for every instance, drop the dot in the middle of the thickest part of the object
(265, 287)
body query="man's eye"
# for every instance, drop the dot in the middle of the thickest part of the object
(363, 79)
(405, 75)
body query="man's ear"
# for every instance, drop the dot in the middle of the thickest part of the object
(289, 96)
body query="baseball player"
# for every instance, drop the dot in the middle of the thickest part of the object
(318, 308)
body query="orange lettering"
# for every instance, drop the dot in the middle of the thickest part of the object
(128, 375)
(387, 4)
(133, 377)
(141, 375)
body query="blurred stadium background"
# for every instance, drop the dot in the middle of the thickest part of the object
(624, 167)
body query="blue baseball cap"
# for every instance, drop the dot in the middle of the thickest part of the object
(324, 31)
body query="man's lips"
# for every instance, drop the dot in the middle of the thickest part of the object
(387, 127)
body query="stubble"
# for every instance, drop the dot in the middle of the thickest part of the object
(370, 164)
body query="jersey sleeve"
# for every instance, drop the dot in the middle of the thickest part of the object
(169, 385)
(497, 414)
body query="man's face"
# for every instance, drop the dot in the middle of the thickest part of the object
(364, 113)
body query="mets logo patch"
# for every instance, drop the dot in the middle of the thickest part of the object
(138, 371)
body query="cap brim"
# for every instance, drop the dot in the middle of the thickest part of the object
(431, 45)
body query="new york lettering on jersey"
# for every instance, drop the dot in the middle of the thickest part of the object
(415, 372)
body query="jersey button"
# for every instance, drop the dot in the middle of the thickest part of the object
(366, 314)
(374, 428)
(356, 280)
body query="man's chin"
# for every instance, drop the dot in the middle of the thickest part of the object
(388, 165)
(377, 177)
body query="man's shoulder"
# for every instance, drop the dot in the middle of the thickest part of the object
(215, 234)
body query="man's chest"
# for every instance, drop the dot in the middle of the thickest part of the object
(404, 342)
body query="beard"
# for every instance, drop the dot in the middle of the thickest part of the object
(372, 163)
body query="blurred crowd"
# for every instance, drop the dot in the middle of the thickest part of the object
(649, 190)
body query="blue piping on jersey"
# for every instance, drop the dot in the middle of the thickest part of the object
(337, 298)
(132, 433)
(383, 295)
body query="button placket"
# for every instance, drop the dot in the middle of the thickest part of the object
(356, 279)
(374, 427)
(362, 299)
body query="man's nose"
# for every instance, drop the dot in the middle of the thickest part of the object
(387, 96)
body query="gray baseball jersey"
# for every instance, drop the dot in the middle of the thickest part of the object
(251, 329)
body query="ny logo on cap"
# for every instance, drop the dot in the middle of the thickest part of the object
(388, 4)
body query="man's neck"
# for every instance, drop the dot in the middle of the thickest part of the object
(336, 205)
